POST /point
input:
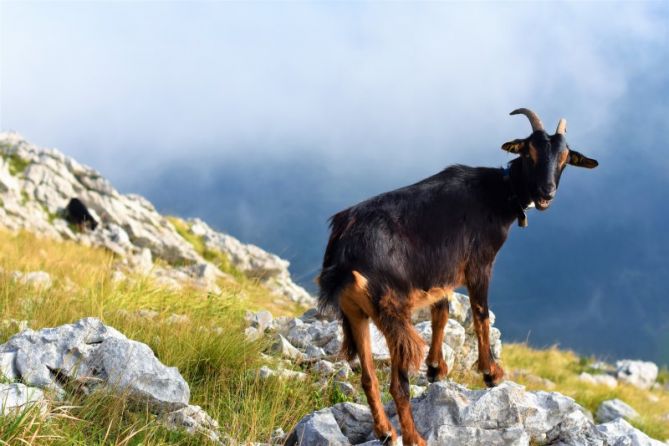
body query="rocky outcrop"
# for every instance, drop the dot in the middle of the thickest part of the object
(450, 414)
(89, 356)
(36, 184)
(312, 337)
(254, 262)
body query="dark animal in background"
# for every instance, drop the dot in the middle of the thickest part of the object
(76, 213)
(411, 247)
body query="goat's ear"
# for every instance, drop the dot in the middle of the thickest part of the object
(580, 160)
(515, 146)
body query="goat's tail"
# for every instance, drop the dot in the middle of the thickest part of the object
(334, 277)
(349, 349)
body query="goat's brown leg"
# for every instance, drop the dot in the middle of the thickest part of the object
(436, 366)
(478, 299)
(370, 384)
(399, 389)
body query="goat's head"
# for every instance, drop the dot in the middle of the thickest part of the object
(544, 157)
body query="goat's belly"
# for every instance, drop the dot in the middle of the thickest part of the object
(422, 298)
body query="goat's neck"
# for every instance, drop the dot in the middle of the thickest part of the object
(517, 191)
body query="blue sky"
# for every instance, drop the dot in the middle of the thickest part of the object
(267, 117)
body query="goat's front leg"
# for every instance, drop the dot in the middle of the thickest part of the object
(478, 299)
(436, 366)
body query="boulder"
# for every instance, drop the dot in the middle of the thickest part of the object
(641, 374)
(611, 410)
(450, 414)
(92, 355)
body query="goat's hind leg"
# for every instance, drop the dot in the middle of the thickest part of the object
(358, 324)
(437, 369)
(406, 353)
(404, 343)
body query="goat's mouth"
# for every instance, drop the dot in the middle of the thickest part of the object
(542, 204)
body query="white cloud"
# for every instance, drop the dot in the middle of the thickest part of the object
(407, 84)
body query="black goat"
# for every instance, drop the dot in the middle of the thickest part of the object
(412, 247)
(76, 213)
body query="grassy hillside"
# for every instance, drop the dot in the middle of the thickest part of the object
(211, 352)
(210, 349)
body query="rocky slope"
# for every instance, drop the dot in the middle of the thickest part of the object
(38, 367)
(37, 183)
(450, 414)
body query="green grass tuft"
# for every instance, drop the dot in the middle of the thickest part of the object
(17, 165)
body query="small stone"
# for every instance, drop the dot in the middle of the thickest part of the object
(37, 279)
(278, 436)
(265, 372)
(178, 319)
(192, 419)
(343, 370)
(604, 380)
(291, 374)
(613, 409)
(345, 387)
(314, 352)
(147, 314)
(323, 367)
(285, 349)
(262, 320)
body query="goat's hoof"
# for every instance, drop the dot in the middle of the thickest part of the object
(413, 440)
(437, 373)
(494, 376)
(387, 437)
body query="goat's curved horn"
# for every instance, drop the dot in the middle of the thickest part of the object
(533, 117)
(562, 127)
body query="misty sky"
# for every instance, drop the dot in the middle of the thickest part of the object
(266, 117)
